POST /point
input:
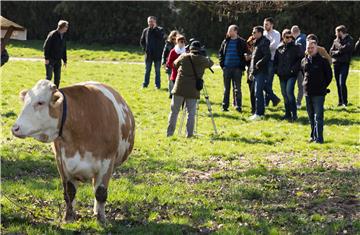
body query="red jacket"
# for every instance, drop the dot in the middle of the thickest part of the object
(170, 63)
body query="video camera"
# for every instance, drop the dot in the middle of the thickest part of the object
(202, 50)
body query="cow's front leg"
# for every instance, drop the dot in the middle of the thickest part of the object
(69, 196)
(101, 182)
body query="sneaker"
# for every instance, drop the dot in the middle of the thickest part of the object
(239, 109)
(298, 106)
(311, 140)
(256, 117)
(225, 110)
(276, 102)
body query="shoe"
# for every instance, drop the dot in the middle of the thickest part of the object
(340, 104)
(225, 110)
(293, 119)
(319, 141)
(143, 86)
(239, 109)
(256, 117)
(311, 140)
(285, 117)
(276, 102)
(298, 106)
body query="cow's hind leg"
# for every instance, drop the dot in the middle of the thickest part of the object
(69, 196)
(101, 183)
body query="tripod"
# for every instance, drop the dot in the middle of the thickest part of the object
(207, 100)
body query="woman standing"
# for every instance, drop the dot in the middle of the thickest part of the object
(169, 44)
(287, 65)
(173, 55)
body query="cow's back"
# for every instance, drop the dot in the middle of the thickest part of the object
(98, 121)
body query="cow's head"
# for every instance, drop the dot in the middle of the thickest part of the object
(40, 115)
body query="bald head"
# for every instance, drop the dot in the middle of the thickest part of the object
(295, 30)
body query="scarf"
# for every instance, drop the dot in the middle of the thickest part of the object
(179, 50)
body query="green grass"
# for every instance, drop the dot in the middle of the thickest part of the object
(255, 177)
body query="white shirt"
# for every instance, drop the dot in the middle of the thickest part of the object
(274, 37)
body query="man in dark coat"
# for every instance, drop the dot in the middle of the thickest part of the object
(55, 51)
(317, 77)
(341, 52)
(258, 70)
(152, 41)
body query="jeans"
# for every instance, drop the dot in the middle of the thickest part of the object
(157, 65)
(341, 71)
(176, 104)
(287, 90)
(269, 93)
(315, 110)
(300, 79)
(232, 76)
(259, 80)
(54, 66)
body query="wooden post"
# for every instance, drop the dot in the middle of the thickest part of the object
(6, 38)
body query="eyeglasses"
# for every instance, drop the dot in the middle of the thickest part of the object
(287, 37)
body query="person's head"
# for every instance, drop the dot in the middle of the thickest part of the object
(63, 26)
(195, 47)
(312, 37)
(232, 31)
(295, 30)
(268, 23)
(311, 47)
(287, 37)
(257, 32)
(172, 36)
(340, 31)
(180, 41)
(151, 21)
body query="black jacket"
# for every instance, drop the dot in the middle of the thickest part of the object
(341, 50)
(241, 49)
(152, 42)
(55, 47)
(260, 56)
(317, 75)
(287, 61)
(167, 48)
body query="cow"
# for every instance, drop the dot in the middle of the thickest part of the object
(92, 130)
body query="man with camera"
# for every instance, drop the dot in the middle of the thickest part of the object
(152, 41)
(317, 77)
(188, 83)
(232, 61)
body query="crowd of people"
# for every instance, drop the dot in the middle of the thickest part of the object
(293, 56)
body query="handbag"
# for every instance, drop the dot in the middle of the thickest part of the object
(199, 81)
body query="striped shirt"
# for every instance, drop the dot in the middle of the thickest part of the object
(232, 58)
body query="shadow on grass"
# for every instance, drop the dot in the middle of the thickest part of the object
(245, 140)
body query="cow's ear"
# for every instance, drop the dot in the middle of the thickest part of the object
(22, 95)
(56, 99)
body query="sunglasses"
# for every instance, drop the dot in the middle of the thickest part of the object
(254, 32)
(287, 37)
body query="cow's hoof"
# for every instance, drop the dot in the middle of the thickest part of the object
(101, 219)
(69, 217)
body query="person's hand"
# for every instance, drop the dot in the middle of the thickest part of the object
(47, 61)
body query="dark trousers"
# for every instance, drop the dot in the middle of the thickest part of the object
(269, 93)
(259, 80)
(287, 90)
(54, 66)
(232, 76)
(341, 71)
(157, 65)
(315, 110)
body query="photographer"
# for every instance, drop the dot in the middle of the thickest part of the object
(232, 61)
(191, 67)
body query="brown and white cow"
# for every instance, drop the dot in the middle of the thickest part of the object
(92, 130)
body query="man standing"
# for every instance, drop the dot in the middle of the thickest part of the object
(258, 70)
(55, 51)
(152, 41)
(300, 39)
(341, 52)
(317, 77)
(274, 37)
(232, 61)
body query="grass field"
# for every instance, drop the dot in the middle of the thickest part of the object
(254, 178)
